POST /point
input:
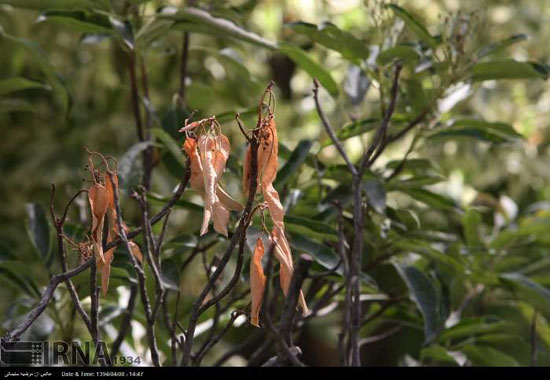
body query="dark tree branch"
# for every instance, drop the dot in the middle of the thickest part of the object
(58, 224)
(46, 298)
(198, 308)
(286, 326)
(135, 95)
(290, 354)
(380, 139)
(125, 323)
(141, 280)
(330, 130)
(216, 338)
(183, 69)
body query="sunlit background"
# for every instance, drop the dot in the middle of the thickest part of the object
(40, 145)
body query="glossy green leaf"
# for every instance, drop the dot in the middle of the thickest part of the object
(170, 274)
(529, 291)
(353, 129)
(403, 53)
(170, 144)
(414, 25)
(471, 221)
(424, 294)
(202, 21)
(78, 20)
(155, 198)
(314, 69)
(429, 198)
(39, 57)
(18, 84)
(334, 38)
(39, 230)
(316, 226)
(53, 4)
(130, 166)
(376, 195)
(508, 69)
(501, 45)
(487, 356)
(295, 160)
(15, 274)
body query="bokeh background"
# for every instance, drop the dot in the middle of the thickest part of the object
(41, 144)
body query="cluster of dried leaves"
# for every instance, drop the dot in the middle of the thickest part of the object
(101, 196)
(208, 149)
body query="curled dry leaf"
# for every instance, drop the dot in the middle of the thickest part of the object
(208, 158)
(113, 233)
(267, 169)
(284, 257)
(257, 282)
(98, 198)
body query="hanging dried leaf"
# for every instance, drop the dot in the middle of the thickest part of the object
(284, 257)
(257, 282)
(208, 157)
(196, 180)
(98, 198)
(246, 170)
(113, 231)
(136, 251)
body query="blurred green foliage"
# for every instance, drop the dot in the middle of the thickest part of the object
(457, 239)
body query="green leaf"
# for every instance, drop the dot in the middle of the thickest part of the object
(320, 252)
(487, 356)
(15, 105)
(508, 69)
(496, 132)
(170, 144)
(39, 230)
(471, 221)
(18, 84)
(438, 354)
(416, 26)
(52, 4)
(416, 95)
(130, 166)
(330, 36)
(473, 327)
(501, 45)
(353, 129)
(424, 294)
(429, 198)
(314, 69)
(170, 274)
(201, 21)
(376, 195)
(155, 198)
(403, 53)
(78, 20)
(536, 227)
(295, 160)
(15, 273)
(529, 291)
(39, 56)
(313, 225)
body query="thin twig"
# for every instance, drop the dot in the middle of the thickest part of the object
(58, 224)
(45, 299)
(287, 317)
(141, 280)
(198, 306)
(125, 323)
(330, 130)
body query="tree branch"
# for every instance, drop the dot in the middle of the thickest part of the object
(330, 130)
